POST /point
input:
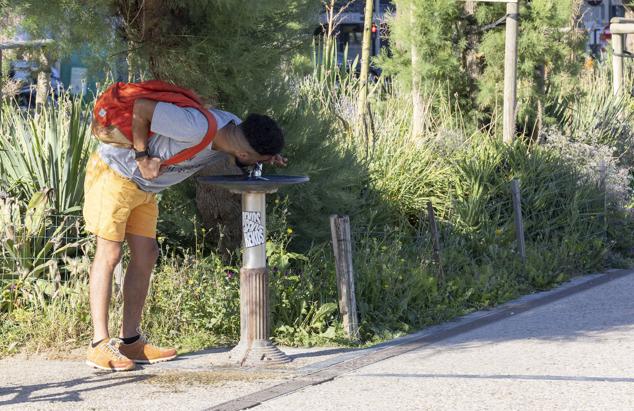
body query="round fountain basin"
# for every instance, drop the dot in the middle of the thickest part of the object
(246, 184)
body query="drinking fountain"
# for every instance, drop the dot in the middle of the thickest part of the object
(255, 347)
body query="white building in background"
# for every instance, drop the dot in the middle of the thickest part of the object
(596, 15)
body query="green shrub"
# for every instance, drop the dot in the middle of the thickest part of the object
(178, 221)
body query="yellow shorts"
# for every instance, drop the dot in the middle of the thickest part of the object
(114, 205)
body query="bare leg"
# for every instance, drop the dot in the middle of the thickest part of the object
(107, 256)
(144, 252)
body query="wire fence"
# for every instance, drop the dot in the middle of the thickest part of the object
(478, 233)
(34, 245)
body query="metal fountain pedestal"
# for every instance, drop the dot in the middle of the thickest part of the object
(255, 346)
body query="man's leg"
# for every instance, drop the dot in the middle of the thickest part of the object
(143, 255)
(107, 256)
(144, 252)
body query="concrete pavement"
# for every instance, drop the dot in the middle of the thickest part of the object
(569, 348)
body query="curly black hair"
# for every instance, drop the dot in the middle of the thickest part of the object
(263, 134)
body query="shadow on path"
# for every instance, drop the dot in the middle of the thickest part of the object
(72, 389)
(321, 353)
(191, 354)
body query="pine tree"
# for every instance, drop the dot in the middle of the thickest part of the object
(549, 59)
(87, 26)
(459, 46)
(228, 51)
(232, 52)
(428, 39)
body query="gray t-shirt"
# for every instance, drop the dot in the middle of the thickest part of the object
(175, 129)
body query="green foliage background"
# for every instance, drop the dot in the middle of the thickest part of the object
(249, 55)
(547, 41)
(438, 30)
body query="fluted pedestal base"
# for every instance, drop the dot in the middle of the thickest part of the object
(261, 352)
(255, 347)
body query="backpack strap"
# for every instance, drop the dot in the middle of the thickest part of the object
(192, 151)
(114, 108)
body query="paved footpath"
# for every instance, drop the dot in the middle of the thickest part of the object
(571, 348)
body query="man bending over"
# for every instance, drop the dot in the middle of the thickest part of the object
(120, 205)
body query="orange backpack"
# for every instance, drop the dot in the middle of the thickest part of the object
(112, 115)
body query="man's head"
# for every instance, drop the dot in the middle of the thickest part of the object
(263, 134)
(263, 137)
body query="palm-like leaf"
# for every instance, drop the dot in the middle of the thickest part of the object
(46, 150)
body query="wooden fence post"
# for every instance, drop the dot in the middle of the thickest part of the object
(342, 247)
(603, 172)
(519, 224)
(510, 70)
(618, 42)
(1, 74)
(435, 239)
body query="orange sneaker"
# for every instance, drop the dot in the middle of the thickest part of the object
(142, 352)
(106, 356)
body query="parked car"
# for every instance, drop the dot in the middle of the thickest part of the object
(25, 73)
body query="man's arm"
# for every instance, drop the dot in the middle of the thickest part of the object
(141, 120)
(142, 113)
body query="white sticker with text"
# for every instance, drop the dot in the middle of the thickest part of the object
(252, 228)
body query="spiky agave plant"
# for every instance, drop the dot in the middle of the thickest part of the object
(46, 150)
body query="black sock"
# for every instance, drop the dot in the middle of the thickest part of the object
(130, 340)
(93, 345)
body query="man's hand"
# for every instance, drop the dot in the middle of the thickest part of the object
(278, 160)
(149, 167)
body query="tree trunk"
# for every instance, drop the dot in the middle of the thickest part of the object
(418, 107)
(471, 60)
(43, 82)
(576, 14)
(221, 211)
(365, 59)
(510, 72)
(1, 80)
(540, 74)
(469, 7)
(577, 30)
(130, 62)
